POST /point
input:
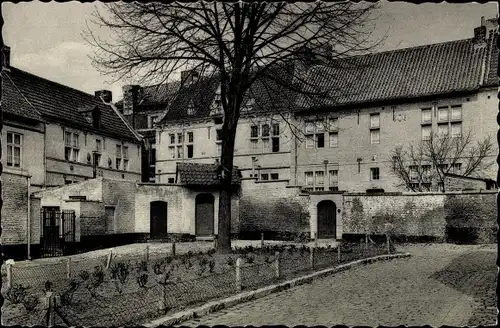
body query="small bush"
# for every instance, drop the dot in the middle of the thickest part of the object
(67, 295)
(211, 266)
(230, 261)
(250, 258)
(141, 266)
(30, 302)
(47, 286)
(142, 279)
(97, 277)
(16, 294)
(160, 266)
(119, 273)
(84, 275)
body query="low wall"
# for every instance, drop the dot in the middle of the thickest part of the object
(455, 217)
(276, 211)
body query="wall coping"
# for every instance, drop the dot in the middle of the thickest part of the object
(468, 192)
(271, 181)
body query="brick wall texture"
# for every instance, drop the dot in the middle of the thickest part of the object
(15, 211)
(92, 220)
(421, 214)
(279, 209)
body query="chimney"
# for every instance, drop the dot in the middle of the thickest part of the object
(480, 35)
(130, 98)
(189, 76)
(6, 57)
(106, 95)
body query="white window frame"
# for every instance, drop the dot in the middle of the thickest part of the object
(426, 128)
(13, 146)
(373, 176)
(443, 118)
(373, 133)
(424, 113)
(119, 156)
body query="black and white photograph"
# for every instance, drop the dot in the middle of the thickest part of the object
(248, 163)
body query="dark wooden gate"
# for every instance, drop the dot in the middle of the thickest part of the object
(327, 219)
(58, 231)
(204, 215)
(158, 220)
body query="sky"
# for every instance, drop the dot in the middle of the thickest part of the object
(46, 38)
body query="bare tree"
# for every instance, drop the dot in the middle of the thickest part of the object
(420, 166)
(240, 43)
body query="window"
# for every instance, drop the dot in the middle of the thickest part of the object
(190, 151)
(265, 130)
(153, 120)
(14, 146)
(219, 149)
(334, 139)
(456, 168)
(374, 173)
(426, 132)
(414, 172)
(375, 136)
(319, 180)
(264, 176)
(171, 180)
(333, 178)
(179, 152)
(274, 176)
(275, 145)
(443, 130)
(375, 121)
(254, 145)
(171, 152)
(309, 142)
(315, 134)
(426, 172)
(125, 164)
(443, 113)
(218, 136)
(333, 124)
(309, 179)
(254, 131)
(320, 141)
(97, 159)
(426, 115)
(71, 147)
(125, 152)
(443, 167)
(179, 138)
(172, 138)
(456, 130)
(190, 137)
(98, 145)
(456, 112)
(266, 146)
(118, 156)
(276, 129)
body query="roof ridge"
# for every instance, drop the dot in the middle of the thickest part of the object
(22, 94)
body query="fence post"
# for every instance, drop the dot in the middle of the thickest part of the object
(50, 304)
(110, 256)
(9, 275)
(173, 248)
(261, 240)
(311, 257)
(238, 273)
(339, 252)
(388, 243)
(215, 241)
(162, 305)
(277, 264)
(147, 253)
(315, 239)
(68, 268)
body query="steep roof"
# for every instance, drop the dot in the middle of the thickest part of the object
(401, 74)
(196, 174)
(491, 78)
(54, 101)
(13, 101)
(155, 97)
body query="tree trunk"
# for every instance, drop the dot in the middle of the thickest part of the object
(224, 228)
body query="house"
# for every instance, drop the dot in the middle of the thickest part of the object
(456, 182)
(344, 141)
(56, 135)
(110, 212)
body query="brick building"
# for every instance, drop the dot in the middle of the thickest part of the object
(56, 135)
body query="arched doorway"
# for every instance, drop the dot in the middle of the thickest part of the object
(158, 219)
(204, 215)
(327, 219)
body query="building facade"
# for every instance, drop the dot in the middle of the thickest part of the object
(390, 99)
(55, 135)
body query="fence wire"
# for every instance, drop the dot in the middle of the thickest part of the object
(129, 291)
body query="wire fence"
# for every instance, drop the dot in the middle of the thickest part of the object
(130, 290)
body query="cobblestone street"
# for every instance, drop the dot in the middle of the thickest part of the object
(437, 286)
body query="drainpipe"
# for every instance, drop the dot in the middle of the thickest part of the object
(28, 179)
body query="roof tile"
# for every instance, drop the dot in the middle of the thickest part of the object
(196, 174)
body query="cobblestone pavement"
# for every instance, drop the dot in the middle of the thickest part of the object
(434, 287)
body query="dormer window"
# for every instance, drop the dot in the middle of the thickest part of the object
(190, 109)
(249, 105)
(216, 108)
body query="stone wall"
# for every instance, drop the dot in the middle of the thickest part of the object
(14, 209)
(273, 210)
(453, 183)
(121, 194)
(455, 217)
(92, 220)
